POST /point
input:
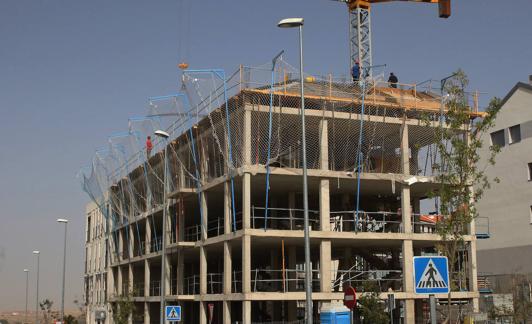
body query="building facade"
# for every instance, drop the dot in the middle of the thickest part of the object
(234, 236)
(508, 204)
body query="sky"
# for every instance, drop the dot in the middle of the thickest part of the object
(72, 72)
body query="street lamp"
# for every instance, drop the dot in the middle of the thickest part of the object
(27, 271)
(64, 221)
(291, 23)
(37, 253)
(164, 135)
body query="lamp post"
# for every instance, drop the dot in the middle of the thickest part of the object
(27, 271)
(291, 23)
(164, 135)
(37, 253)
(64, 221)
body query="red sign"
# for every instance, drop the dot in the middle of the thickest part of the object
(350, 297)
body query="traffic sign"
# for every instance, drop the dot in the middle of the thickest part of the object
(350, 297)
(431, 275)
(173, 313)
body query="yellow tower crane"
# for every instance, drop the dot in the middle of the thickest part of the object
(360, 28)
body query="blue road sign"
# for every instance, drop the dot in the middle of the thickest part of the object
(431, 275)
(173, 313)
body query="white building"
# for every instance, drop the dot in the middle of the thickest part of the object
(508, 204)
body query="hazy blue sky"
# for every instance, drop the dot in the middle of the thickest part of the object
(72, 72)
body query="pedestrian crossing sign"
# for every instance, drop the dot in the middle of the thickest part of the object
(173, 313)
(431, 275)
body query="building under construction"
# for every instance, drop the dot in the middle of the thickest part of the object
(234, 235)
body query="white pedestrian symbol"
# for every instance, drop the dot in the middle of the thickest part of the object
(173, 313)
(431, 277)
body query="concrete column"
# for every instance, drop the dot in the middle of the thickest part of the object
(180, 272)
(166, 279)
(147, 277)
(203, 271)
(325, 217)
(324, 145)
(408, 279)
(131, 241)
(325, 266)
(246, 264)
(203, 312)
(147, 238)
(247, 138)
(227, 209)
(120, 245)
(130, 278)
(205, 219)
(246, 201)
(119, 280)
(227, 281)
(473, 278)
(228, 267)
(246, 278)
(226, 312)
(246, 311)
(146, 313)
(181, 222)
(110, 283)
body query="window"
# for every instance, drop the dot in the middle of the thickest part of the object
(515, 134)
(530, 171)
(497, 138)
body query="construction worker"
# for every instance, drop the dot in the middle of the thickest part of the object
(355, 72)
(149, 146)
(392, 80)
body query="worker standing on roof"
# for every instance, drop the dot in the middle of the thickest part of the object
(149, 146)
(355, 72)
(392, 80)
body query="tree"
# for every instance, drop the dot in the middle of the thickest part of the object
(371, 307)
(69, 319)
(124, 308)
(46, 307)
(462, 178)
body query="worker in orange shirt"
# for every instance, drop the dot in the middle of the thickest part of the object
(149, 146)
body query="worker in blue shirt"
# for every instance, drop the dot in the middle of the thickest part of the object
(355, 72)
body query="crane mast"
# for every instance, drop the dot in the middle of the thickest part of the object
(360, 29)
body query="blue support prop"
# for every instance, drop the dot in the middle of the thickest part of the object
(269, 141)
(359, 153)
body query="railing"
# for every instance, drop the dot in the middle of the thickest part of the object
(425, 224)
(215, 283)
(138, 289)
(191, 285)
(193, 233)
(482, 227)
(282, 280)
(383, 279)
(156, 245)
(346, 221)
(155, 288)
(283, 218)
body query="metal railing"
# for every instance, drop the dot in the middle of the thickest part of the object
(191, 285)
(283, 218)
(346, 221)
(383, 279)
(482, 227)
(268, 280)
(155, 288)
(138, 289)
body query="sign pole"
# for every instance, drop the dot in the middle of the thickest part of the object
(432, 300)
